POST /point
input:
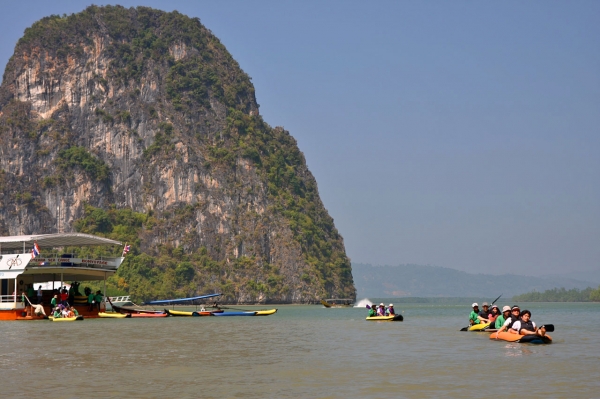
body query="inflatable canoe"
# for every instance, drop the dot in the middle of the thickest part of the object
(396, 317)
(179, 313)
(112, 315)
(478, 327)
(80, 317)
(531, 338)
(148, 315)
(265, 312)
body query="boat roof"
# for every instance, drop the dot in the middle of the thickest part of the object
(55, 240)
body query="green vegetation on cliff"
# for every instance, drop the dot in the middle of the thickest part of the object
(168, 125)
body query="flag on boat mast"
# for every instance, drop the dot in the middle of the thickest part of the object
(35, 251)
(126, 249)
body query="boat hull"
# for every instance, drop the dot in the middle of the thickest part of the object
(396, 317)
(524, 339)
(76, 318)
(148, 315)
(114, 315)
(266, 312)
(236, 314)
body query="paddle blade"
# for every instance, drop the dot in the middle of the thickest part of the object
(464, 329)
(368, 306)
(549, 327)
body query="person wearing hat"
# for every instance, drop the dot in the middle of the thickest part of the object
(390, 310)
(502, 318)
(474, 317)
(486, 310)
(381, 310)
(515, 313)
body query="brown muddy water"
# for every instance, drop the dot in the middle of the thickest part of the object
(301, 352)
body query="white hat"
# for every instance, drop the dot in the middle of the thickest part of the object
(474, 304)
(381, 304)
(391, 304)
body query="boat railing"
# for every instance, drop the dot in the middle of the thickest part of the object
(124, 298)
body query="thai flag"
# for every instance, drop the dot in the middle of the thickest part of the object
(35, 251)
(125, 249)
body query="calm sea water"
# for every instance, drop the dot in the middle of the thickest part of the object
(302, 352)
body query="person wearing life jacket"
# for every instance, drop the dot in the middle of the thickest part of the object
(526, 326)
(390, 310)
(381, 310)
(515, 314)
(474, 317)
(373, 311)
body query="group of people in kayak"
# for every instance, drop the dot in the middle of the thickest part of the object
(512, 320)
(62, 311)
(381, 310)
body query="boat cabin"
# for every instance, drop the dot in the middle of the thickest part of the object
(31, 259)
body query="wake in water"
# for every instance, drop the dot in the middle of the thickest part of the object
(363, 303)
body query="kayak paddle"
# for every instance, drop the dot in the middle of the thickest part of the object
(496, 299)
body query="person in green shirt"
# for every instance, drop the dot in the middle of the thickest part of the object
(30, 292)
(373, 311)
(502, 318)
(474, 317)
(98, 298)
(91, 301)
(56, 313)
(54, 301)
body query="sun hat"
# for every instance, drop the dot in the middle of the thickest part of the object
(391, 304)
(485, 304)
(506, 309)
(494, 306)
(515, 307)
(474, 304)
(381, 304)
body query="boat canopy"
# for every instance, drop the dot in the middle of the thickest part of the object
(167, 301)
(54, 240)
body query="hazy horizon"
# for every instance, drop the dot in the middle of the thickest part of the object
(457, 134)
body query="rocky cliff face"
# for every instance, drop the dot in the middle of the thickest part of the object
(139, 109)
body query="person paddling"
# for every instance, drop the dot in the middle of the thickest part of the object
(373, 311)
(526, 326)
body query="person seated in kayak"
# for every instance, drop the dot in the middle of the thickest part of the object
(390, 310)
(502, 318)
(526, 326)
(474, 317)
(515, 314)
(486, 311)
(56, 313)
(381, 310)
(74, 311)
(493, 315)
(373, 311)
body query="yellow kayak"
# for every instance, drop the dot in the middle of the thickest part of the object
(479, 327)
(80, 317)
(396, 317)
(179, 313)
(113, 315)
(265, 312)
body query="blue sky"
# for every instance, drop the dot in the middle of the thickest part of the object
(455, 134)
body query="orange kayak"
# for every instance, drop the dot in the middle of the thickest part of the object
(531, 338)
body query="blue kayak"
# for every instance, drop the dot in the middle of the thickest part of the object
(235, 314)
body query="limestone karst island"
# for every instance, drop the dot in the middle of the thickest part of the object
(137, 126)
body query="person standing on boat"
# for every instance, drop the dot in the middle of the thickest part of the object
(39, 295)
(98, 299)
(30, 292)
(390, 310)
(474, 317)
(91, 301)
(54, 301)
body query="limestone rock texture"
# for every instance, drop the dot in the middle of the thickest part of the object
(140, 109)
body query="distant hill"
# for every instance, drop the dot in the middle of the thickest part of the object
(433, 281)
